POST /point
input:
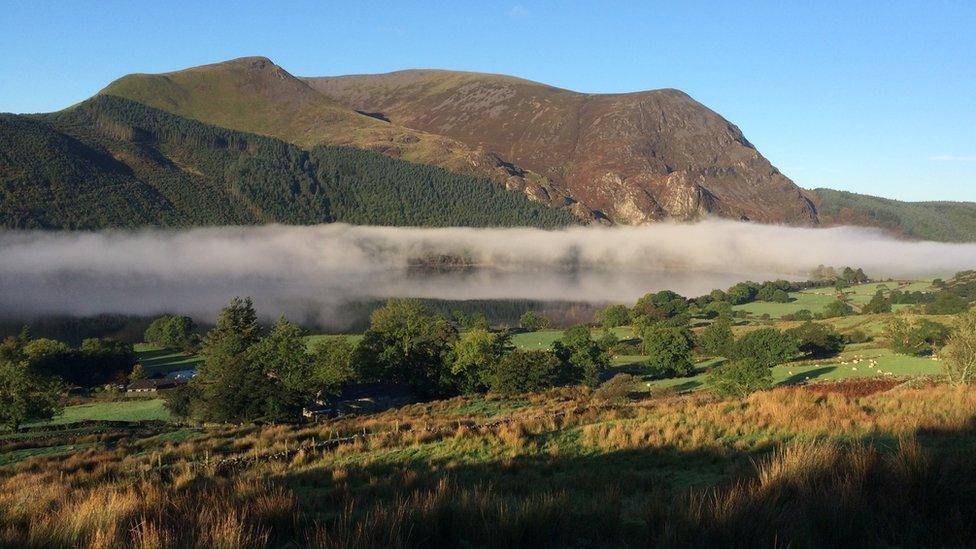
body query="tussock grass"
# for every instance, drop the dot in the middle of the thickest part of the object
(790, 466)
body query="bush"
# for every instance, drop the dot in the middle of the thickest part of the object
(608, 342)
(959, 354)
(613, 316)
(617, 388)
(947, 303)
(332, 364)
(669, 350)
(817, 340)
(836, 309)
(740, 378)
(717, 338)
(531, 321)
(174, 332)
(856, 336)
(768, 346)
(908, 336)
(583, 359)
(878, 304)
(526, 371)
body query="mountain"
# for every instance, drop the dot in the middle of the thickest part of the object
(254, 95)
(628, 158)
(111, 162)
(635, 157)
(940, 221)
(244, 141)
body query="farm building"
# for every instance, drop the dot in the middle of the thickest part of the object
(153, 385)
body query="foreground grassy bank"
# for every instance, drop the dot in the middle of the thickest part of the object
(881, 462)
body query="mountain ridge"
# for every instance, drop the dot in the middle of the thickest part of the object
(616, 152)
(629, 157)
(254, 95)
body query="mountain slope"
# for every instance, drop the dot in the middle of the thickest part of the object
(940, 221)
(110, 162)
(254, 95)
(637, 157)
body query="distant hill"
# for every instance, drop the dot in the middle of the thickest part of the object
(941, 221)
(111, 162)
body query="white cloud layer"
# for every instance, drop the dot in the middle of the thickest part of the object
(306, 272)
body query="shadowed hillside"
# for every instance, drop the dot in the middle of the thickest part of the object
(942, 221)
(110, 162)
(253, 94)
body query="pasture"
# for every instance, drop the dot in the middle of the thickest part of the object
(157, 360)
(118, 410)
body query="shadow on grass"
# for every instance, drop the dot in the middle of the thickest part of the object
(164, 358)
(872, 491)
(808, 375)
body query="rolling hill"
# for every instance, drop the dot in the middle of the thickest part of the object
(941, 221)
(111, 162)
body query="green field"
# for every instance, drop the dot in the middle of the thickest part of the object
(311, 340)
(832, 369)
(543, 339)
(811, 300)
(122, 410)
(157, 360)
(816, 299)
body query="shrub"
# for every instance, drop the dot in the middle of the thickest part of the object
(959, 354)
(614, 315)
(947, 303)
(174, 332)
(768, 346)
(616, 388)
(475, 356)
(583, 359)
(878, 304)
(837, 308)
(909, 336)
(532, 321)
(817, 340)
(856, 336)
(332, 363)
(717, 338)
(526, 371)
(740, 377)
(669, 350)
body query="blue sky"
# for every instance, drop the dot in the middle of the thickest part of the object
(873, 97)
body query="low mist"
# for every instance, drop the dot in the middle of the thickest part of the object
(307, 272)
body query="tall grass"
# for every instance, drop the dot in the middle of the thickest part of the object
(785, 467)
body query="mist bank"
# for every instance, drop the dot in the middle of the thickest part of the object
(307, 271)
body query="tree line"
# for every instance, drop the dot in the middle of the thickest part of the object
(35, 372)
(249, 375)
